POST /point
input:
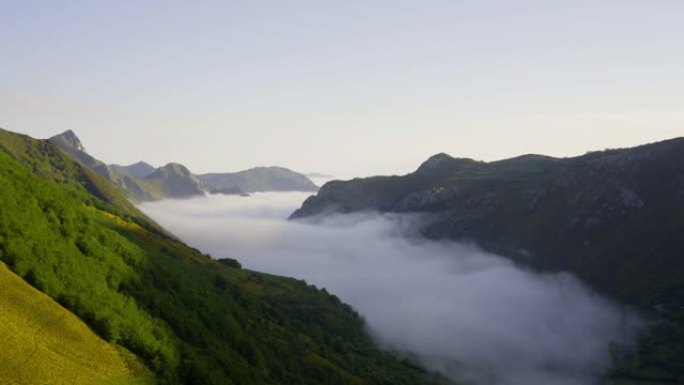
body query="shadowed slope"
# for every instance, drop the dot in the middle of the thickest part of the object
(613, 218)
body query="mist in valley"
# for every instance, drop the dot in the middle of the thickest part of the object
(472, 315)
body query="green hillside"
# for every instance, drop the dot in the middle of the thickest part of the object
(613, 218)
(192, 320)
(43, 343)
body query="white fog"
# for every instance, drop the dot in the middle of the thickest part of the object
(469, 314)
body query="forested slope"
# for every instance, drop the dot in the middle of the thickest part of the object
(192, 320)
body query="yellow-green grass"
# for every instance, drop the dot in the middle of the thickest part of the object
(43, 343)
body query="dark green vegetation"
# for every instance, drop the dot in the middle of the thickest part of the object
(142, 182)
(614, 218)
(192, 320)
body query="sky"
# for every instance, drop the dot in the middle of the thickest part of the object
(349, 88)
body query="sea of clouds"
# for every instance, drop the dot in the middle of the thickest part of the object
(472, 315)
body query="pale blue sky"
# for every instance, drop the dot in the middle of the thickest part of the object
(345, 87)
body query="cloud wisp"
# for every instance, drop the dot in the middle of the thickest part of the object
(469, 314)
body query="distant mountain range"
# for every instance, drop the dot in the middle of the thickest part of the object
(143, 182)
(614, 218)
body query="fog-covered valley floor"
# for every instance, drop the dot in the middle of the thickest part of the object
(470, 314)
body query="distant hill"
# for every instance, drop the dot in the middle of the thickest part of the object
(614, 218)
(171, 181)
(260, 179)
(191, 320)
(136, 170)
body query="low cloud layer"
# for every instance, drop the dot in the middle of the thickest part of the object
(471, 315)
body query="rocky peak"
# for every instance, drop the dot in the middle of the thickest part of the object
(140, 169)
(171, 170)
(141, 164)
(177, 168)
(68, 139)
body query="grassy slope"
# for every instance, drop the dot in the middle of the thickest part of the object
(44, 343)
(52, 163)
(191, 319)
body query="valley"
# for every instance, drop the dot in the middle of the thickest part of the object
(471, 315)
(341, 192)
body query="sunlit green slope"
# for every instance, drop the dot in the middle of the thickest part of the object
(192, 320)
(43, 343)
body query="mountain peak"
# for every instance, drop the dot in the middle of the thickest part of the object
(68, 139)
(140, 169)
(141, 163)
(171, 169)
(177, 167)
(442, 160)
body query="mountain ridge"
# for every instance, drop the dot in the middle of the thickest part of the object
(141, 181)
(614, 218)
(139, 169)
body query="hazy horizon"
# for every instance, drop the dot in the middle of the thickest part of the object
(318, 176)
(352, 88)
